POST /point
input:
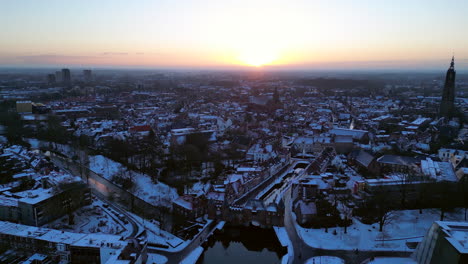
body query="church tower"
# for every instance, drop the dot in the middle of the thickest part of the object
(448, 95)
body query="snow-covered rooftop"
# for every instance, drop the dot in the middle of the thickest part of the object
(457, 234)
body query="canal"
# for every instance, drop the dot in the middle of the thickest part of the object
(234, 245)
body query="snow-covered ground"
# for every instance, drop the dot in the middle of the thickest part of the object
(325, 260)
(94, 218)
(193, 256)
(156, 259)
(384, 260)
(283, 237)
(155, 235)
(199, 188)
(154, 193)
(406, 226)
(277, 181)
(62, 148)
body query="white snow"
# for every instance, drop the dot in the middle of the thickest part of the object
(283, 237)
(385, 260)
(220, 225)
(325, 260)
(193, 256)
(158, 236)
(104, 166)
(94, 218)
(154, 193)
(406, 226)
(156, 259)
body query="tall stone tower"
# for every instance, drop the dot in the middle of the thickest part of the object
(448, 95)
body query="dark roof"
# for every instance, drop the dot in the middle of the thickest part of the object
(398, 160)
(344, 139)
(364, 158)
(356, 134)
(140, 128)
(242, 140)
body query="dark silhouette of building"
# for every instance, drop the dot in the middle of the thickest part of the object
(58, 76)
(66, 76)
(448, 95)
(50, 78)
(87, 75)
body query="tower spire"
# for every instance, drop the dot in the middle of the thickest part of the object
(448, 94)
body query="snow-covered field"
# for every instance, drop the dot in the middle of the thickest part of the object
(154, 193)
(406, 226)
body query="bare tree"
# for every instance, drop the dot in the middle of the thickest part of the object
(382, 202)
(385, 218)
(446, 198)
(345, 210)
(404, 185)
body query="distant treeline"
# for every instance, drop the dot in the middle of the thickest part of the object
(327, 86)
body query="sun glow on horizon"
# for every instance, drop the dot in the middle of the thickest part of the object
(257, 59)
(258, 56)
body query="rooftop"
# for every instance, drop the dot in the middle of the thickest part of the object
(456, 234)
(57, 236)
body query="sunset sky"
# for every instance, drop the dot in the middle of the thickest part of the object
(346, 34)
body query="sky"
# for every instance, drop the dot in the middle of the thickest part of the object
(293, 34)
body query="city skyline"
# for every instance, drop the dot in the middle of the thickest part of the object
(210, 34)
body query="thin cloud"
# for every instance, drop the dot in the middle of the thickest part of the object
(51, 58)
(114, 53)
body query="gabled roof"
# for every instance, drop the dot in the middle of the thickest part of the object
(306, 208)
(364, 158)
(398, 160)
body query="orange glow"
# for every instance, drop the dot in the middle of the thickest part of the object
(257, 58)
(257, 53)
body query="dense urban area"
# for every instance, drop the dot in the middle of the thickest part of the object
(147, 166)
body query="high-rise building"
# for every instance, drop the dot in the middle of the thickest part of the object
(51, 78)
(66, 77)
(448, 95)
(87, 75)
(58, 76)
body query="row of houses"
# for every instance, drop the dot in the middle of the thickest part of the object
(50, 195)
(68, 247)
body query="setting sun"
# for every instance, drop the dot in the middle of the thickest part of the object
(257, 59)
(257, 56)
